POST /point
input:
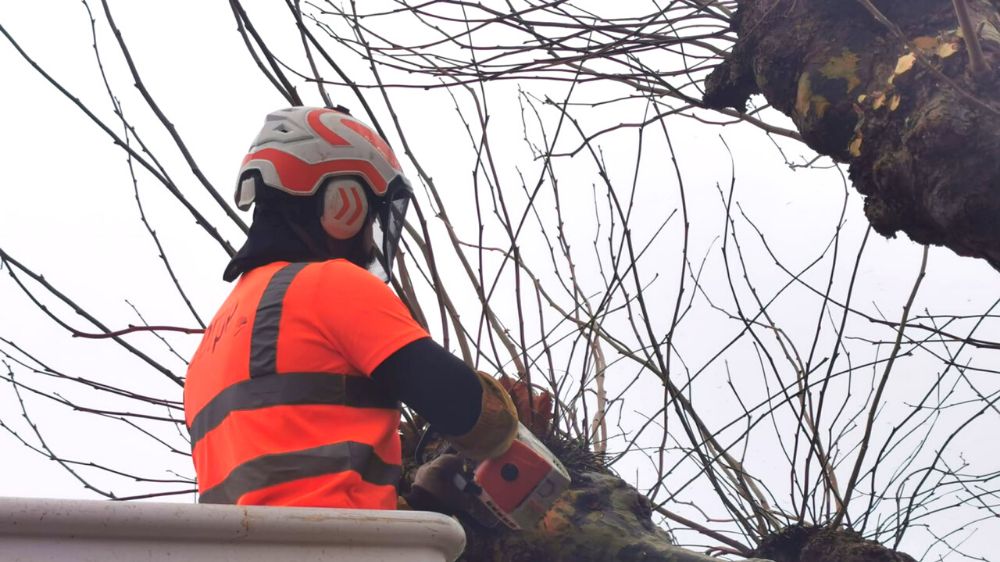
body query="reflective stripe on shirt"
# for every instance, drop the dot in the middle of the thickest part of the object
(270, 470)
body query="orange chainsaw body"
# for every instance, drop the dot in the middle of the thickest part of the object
(521, 485)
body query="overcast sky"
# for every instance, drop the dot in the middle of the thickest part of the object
(67, 210)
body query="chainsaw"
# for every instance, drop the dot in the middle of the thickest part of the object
(517, 488)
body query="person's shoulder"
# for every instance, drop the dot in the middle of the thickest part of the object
(342, 268)
(343, 273)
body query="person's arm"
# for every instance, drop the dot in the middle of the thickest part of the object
(470, 409)
(435, 383)
(453, 398)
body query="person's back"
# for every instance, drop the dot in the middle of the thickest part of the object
(292, 397)
(279, 398)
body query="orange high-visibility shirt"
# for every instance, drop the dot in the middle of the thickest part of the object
(278, 399)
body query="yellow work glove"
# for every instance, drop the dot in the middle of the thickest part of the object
(496, 427)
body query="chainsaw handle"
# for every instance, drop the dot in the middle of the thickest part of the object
(418, 452)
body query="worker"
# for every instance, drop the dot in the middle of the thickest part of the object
(292, 397)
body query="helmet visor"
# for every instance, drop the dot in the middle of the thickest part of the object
(388, 226)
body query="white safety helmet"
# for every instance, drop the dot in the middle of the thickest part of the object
(303, 149)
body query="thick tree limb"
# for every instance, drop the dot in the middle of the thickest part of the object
(884, 87)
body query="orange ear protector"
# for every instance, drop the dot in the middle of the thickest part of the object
(345, 208)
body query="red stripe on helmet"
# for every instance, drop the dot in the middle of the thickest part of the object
(322, 130)
(377, 142)
(302, 178)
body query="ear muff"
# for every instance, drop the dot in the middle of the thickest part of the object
(345, 208)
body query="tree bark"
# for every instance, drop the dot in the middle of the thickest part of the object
(888, 87)
(819, 544)
(601, 518)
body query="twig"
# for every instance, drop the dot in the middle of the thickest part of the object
(740, 547)
(296, 9)
(876, 400)
(977, 62)
(133, 329)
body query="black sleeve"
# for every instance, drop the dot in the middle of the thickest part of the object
(435, 383)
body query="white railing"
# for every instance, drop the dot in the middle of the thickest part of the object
(44, 530)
